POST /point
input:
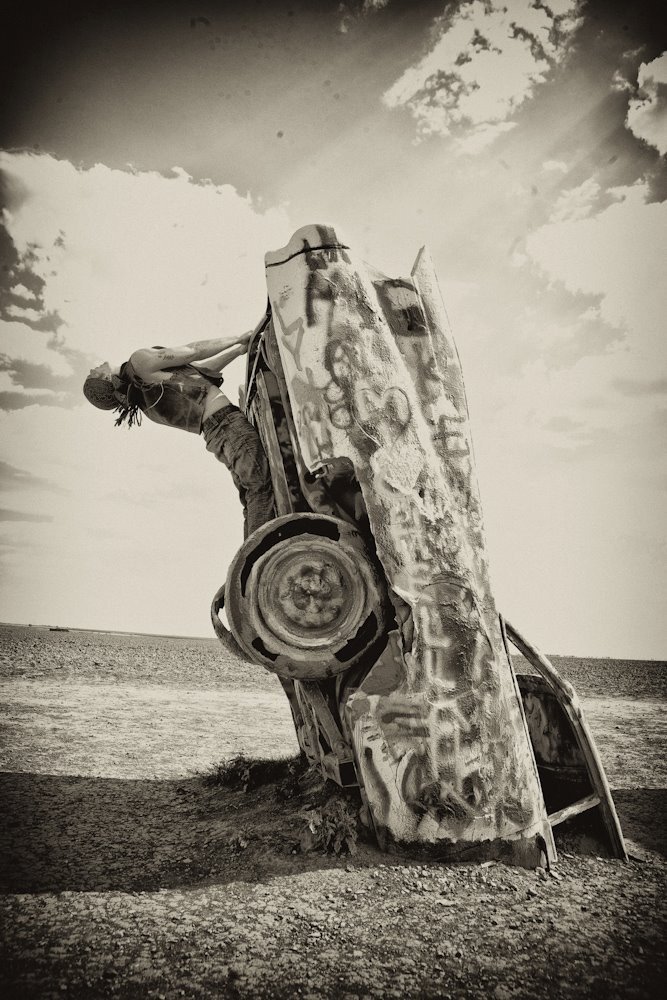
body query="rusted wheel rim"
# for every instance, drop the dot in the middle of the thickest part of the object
(305, 597)
(309, 593)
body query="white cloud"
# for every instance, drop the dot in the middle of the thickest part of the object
(19, 341)
(647, 113)
(562, 8)
(576, 203)
(579, 375)
(478, 137)
(141, 534)
(147, 520)
(487, 60)
(145, 259)
(28, 315)
(619, 82)
(7, 384)
(555, 165)
(569, 454)
(21, 292)
(618, 253)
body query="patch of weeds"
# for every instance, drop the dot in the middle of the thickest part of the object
(296, 773)
(332, 828)
(330, 813)
(241, 773)
(239, 841)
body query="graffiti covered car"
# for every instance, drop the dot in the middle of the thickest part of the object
(369, 596)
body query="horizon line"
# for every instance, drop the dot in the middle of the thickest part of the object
(171, 635)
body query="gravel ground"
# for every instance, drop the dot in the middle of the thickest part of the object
(105, 657)
(125, 875)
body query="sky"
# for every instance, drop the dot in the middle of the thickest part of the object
(150, 154)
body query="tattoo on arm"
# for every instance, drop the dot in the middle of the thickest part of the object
(199, 345)
(169, 357)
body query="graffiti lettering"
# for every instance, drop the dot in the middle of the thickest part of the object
(295, 327)
(451, 433)
(317, 435)
(401, 306)
(310, 378)
(319, 288)
(339, 412)
(435, 740)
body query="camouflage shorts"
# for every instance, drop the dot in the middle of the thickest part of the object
(235, 442)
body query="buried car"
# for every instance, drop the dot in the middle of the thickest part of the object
(368, 594)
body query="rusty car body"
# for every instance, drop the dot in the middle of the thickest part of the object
(368, 595)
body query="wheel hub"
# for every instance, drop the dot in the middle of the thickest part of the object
(308, 594)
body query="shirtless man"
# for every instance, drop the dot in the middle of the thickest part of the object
(180, 387)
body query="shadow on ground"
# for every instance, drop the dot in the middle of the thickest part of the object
(85, 834)
(643, 816)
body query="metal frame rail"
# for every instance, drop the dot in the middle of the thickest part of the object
(568, 700)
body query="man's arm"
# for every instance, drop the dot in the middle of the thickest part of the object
(221, 360)
(150, 360)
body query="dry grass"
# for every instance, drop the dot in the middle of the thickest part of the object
(243, 773)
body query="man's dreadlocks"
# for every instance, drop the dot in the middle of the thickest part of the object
(113, 393)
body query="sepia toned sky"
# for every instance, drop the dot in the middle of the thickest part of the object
(152, 153)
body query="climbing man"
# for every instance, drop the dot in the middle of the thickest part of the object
(180, 387)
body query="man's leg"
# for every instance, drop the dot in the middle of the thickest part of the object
(235, 442)
(259, 505)
(244, 504)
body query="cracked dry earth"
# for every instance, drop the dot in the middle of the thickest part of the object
(125, 875)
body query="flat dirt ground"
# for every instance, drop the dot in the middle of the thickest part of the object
(124, 874)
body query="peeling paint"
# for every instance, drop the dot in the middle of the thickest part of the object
(373, 377)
